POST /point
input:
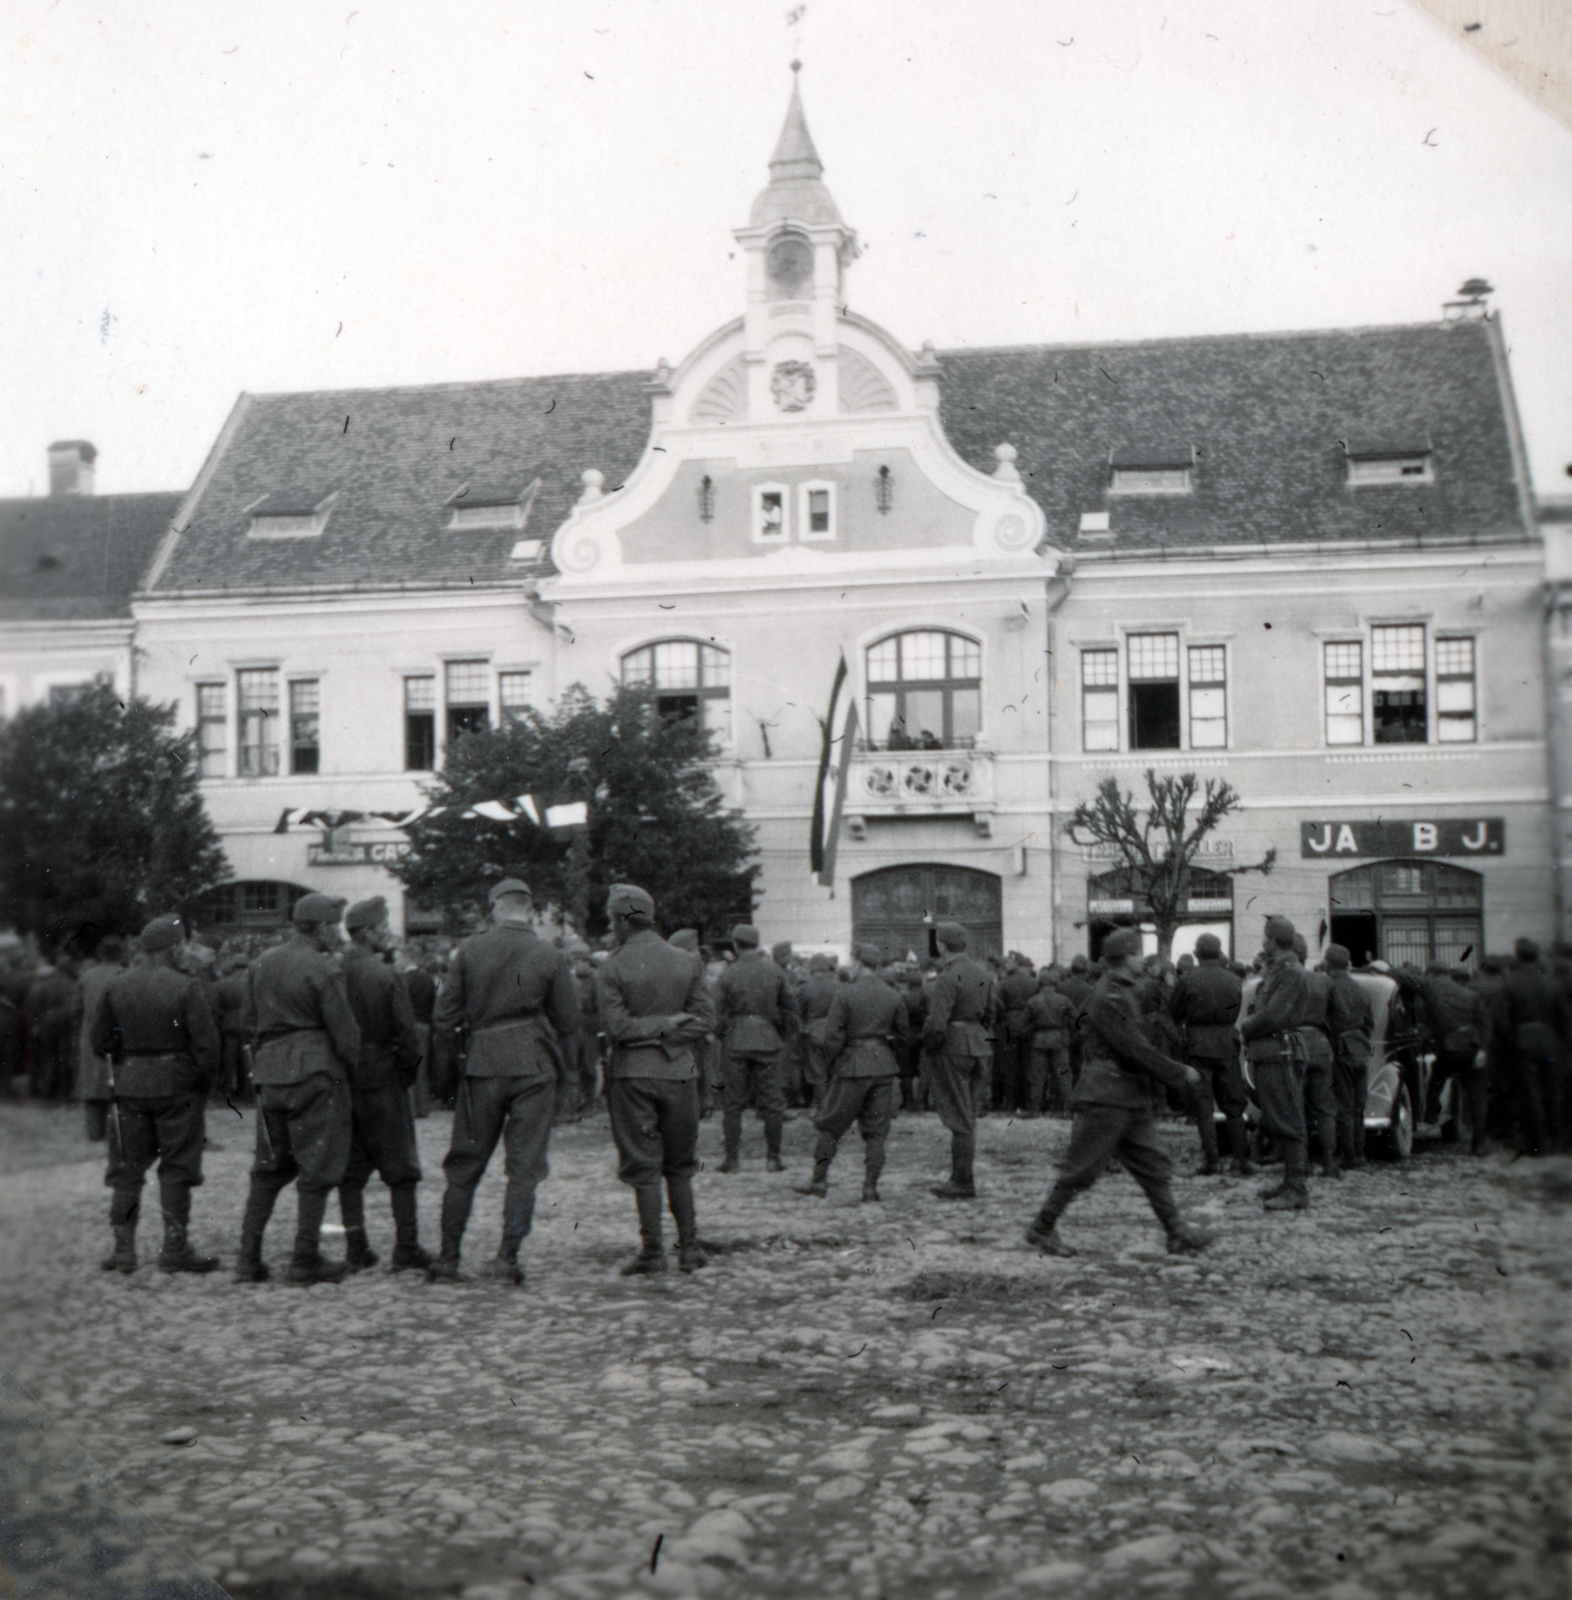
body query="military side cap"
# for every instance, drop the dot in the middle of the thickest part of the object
(1124, 942)
(311, 909)
(870, 955)
(628, 899)
(1208, 946)
(161, 933)
(781, 950)
(952, 935)
(685, 939)
(822, 962)
(745, 933)
(1301, 949)
(1280, 930)
(1337, 956)
(509, 886)
(366, 913)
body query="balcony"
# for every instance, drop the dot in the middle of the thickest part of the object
(920, 783)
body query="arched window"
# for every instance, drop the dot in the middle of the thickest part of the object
(689, 679)
(924, 691)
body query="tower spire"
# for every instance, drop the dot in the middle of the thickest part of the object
(795, 155)
(796, 189)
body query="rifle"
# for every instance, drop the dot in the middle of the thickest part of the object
(114, 1109)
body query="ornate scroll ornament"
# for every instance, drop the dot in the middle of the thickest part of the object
(793, 384)
(1011, 532)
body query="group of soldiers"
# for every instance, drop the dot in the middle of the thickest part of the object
(335, 1048)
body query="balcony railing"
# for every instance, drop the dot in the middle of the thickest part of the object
(885, 783)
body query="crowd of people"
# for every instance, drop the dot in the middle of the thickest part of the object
(345, 1035)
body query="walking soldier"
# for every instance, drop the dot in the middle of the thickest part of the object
(1122, 1083)
(1349, 1020)
(307, 1045)
(382, 1129)
(1205, 1003)
(757, 1013)
(1276, 1052)
(514, 997)
(955, 1033)
(155, 1023)
(865, 1017)
(655, 1009)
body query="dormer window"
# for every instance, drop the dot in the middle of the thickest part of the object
(1149, 470)
(479, 505)
(290, 514)
(1388, 463)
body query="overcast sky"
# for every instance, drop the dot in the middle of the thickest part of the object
(205, 197)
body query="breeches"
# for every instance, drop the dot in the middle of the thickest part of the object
(303, 1130)
(382, 1138)
(869, 1102)
(1222, 1085)
(953, 1084)
(167, 1129)
(1098, 1135)
(1280, 1087)
(516, 1110)
(656, 1125)
(756, 1081)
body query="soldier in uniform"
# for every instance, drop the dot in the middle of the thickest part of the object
(308, 1043)
(513, 995)
(1276, 1051)
(865, 1017)
(1078, 989)
(1349, 1022)
(155, 1022)
(955, 1032)
(382, 1129)
(756, 1014)
(707, 1052)
(1122, 1086)
(231, 991)
(655, 1008)
(1315, 1030)
(1529, 1020)
(1205, 1004)
(1013, 1071)
(816, 998)
(92, 1074)
(1050, 1020)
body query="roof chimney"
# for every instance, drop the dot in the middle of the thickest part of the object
(71, 466)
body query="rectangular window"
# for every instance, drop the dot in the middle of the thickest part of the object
(1397, 664)
(212, 731)
(1154, 691)
(769, 514)
(1390, 469)
(256, 697)
(1345, 693)
(305, 725)
(1100, 699)
(1208, 697)
(420, 724)
(514, 694)
(816, 507)
(1456, 715)
(468, 697)
(1150, 480)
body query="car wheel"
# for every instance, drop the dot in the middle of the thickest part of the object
(1400, 1136)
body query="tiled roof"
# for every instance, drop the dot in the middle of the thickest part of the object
(77, 556)
(395, 458)
(1267, 415)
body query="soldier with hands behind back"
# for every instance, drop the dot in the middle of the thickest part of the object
(655, 1010)
(1205, 1003)
(757, 1013)
(155, 1027)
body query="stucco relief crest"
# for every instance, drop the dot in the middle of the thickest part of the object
(793, 385)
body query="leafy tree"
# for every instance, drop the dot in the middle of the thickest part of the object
(1157, 852)
(102, 822)
(656, 817)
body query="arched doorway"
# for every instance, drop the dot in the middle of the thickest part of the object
(1411, 912)
(898, 909)
(252, 904)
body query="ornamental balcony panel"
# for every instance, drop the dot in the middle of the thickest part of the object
(920, 783)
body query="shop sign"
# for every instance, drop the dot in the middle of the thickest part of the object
(1192, 905)
(1484, 836)
(356, 855)
(1110, 908)
(1207, 850)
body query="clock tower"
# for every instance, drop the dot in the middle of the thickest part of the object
(797, 250)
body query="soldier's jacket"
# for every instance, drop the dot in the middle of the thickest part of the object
(1456, 1012)
(389, 1045)
(1119, 1065)
(1280, 1002)
(1205, 1003)
(92, 1070)
(818, 995)
(1349, 1018)
(421, 988)
(157, 1025)
(230, 1002)
(864, 1017)
(514, 996)
(299, 1015)
(1078, 991)
(754, 1003)
(1049, 1017)
(960, 1002)
(643, 989)
(1314, 1027)
(587, 986)
(1015, 993)
(1530, 1012)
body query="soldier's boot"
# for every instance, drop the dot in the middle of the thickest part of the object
(772, 1142)
(358, 1254)
(1206, 1126)
(306, 1265)
(1183, 1240)
(1043, 1233)
(1239, 1143)
(123, 1257)
(823, 1155)
(651, 1258)
(962, 1185)
(872, 1166)
(690, 1253)
(455, 1215)
(516, 1219)
(731, 1131)
(407, 1251)
(249, 1265)
(1292, 1194)
(177, 1254)
(1328, 1141)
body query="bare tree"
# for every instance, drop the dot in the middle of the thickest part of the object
(1157, 851)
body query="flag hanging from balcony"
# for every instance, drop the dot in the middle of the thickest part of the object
(826, 749)
(842, 771)
(567, 814)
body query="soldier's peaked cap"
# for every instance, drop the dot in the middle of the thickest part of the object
(310, 909)
(1337, 956)
(1208, 946)
(1126, 942)
(161, 933)
(745, 933)
(628, 899)
(366, 913)
(1280, 930)
(952, 935)
(870, 955)
(509, 886)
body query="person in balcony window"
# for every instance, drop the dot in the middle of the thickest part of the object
(928, 740)
(899, 739)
